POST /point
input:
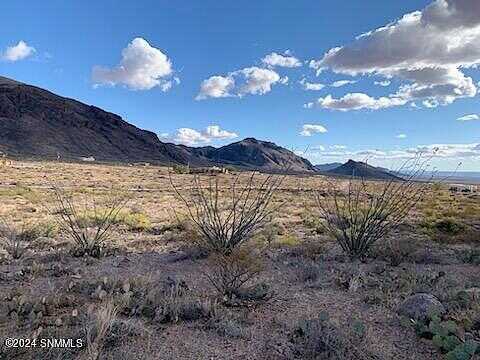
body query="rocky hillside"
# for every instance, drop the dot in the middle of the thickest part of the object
(35, 123)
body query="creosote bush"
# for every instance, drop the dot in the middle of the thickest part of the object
(367, 212)
(232, 275)
(396, 250)
(87, 223)
(320, 338)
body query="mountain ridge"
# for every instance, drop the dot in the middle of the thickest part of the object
(35, 122)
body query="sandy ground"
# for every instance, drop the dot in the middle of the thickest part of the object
(267, 328)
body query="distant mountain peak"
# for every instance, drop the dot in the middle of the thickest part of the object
(250, 139)
(363, 170)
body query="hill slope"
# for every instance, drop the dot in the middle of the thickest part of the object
(37, 123)
(327, 167)
(362, 170)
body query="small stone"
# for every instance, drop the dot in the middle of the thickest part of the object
(102, 294)
(379, 269)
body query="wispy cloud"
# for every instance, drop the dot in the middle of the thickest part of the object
(340, 83)
(384, 83)
(440, 151)
(311, 129)
(311, 86)
(469, 117)
(356, 101)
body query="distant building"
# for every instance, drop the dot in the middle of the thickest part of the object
(88, 159)
(466, 188)
(209, 170)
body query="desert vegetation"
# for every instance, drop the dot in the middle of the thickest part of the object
(174, 265)
(85, 222)
(366, 213)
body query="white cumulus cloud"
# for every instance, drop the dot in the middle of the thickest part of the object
(18, 52)
(192, 137)
(286, 60)
(311, 129)
(248, 81)
(427, 50)
(142, 67)
(257, 81)
(216, 87)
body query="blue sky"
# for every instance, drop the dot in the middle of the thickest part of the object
(198, 72)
